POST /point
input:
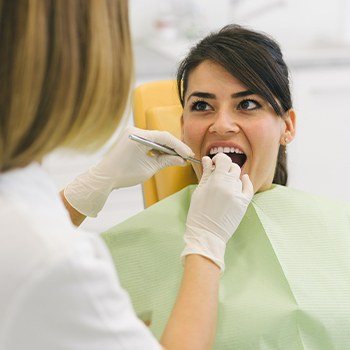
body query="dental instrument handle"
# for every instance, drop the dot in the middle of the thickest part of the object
(193, 160)
(161, 148)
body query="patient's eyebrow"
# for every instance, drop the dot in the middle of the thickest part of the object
(243, 93)
(213, 96)
(201, 94)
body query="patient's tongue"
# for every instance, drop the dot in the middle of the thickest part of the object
(237, 158)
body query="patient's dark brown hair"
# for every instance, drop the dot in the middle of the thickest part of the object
(253, 58)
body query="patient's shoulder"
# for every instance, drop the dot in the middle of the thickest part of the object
(298, 200)
(298, 194)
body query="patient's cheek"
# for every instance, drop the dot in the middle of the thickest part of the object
(192, 136)
(198, 170)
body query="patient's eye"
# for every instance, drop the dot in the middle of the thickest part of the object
(249, 105)
(200, 106)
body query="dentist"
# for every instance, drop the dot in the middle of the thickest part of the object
(65, 73)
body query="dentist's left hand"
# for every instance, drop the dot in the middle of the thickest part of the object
(126, 164)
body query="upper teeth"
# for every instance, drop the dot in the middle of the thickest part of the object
(215, 150)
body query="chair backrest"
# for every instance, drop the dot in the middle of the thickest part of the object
(156, 106)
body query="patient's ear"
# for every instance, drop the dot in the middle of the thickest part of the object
(289, 125)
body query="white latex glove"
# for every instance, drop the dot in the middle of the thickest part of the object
(126, 164)
(217, 207)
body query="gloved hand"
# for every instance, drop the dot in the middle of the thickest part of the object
(217, 207)
(126, 164)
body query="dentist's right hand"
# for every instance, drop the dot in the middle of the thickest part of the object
(217, 207)
(127, 163)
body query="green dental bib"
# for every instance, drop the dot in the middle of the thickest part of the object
(287, 278)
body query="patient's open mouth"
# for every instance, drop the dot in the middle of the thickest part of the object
(237, 156)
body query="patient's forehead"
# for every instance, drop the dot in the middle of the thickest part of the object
(209, 76)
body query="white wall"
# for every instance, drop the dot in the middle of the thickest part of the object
(295, 23)
(319, 159)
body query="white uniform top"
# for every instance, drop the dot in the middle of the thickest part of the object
(58, 287)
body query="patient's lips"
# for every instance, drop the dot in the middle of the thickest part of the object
(235, 153)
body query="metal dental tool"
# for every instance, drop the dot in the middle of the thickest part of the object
(161, 148)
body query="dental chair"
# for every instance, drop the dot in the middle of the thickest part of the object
(156, 106)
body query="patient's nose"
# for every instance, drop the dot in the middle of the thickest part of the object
(224, 123)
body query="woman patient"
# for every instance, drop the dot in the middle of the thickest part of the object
(287, 278)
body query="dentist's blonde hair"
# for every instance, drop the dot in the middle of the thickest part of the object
(65, 72)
